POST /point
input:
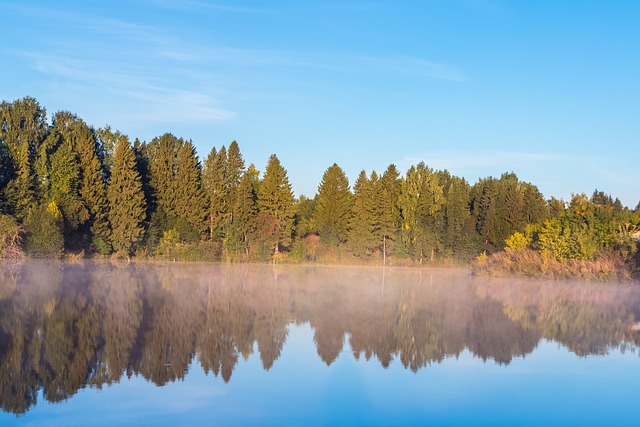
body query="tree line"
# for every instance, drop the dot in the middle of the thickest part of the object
(69, 188)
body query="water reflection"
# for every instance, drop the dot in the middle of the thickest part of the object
(67, 326)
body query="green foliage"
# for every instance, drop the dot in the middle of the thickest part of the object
(275, 203)
(245, 211)
(127, 205)
(299, 252)
(332, 207)
(420, 200)
(365, 220)
(214, 178)
(304, 210)
(169, 241)
(23, 128)
(190, 200)
(44, 231)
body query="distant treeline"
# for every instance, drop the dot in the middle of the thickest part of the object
(69, 188)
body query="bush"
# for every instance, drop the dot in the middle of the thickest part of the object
(606, 266)
(10, 237)
(44, 236)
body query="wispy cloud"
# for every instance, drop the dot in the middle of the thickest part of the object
(162, 74)
(200, 5)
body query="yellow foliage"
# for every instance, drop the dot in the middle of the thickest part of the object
(53, 209)
(516, 242)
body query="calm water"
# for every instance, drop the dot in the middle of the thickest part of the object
(175, 344)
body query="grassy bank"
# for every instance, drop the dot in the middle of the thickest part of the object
(530, 263)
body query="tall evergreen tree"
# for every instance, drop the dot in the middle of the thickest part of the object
(245, 210)
(387, 194)
(365, 222)
(419, 201)
(333, 207)
(23, 128)
(457, 226)
(190, 199)
(234, 172)
(216, 187)
(275, 201)
(82, 140)
(163, 154)
(127, 204)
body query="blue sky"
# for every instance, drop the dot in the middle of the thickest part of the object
(547, 89)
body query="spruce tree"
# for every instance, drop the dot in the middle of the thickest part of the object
(458, 231)
(275, 202)
(23, 128)
(190, 199)
(245, 210)
(387, 194)
(214, 177)
(163, 153)
(127, 205)
(364, 222)
(234, 172)
(420, 200)
(333, 206)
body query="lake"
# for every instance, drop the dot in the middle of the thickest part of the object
(95, 343)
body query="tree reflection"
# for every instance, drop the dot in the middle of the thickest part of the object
(67, 326)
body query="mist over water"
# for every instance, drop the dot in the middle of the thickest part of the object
(294, 344)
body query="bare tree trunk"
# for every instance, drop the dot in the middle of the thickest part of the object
(384, 250)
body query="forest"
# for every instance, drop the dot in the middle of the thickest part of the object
(68, 189)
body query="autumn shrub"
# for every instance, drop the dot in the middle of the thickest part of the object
(605, 266)
(10, 237)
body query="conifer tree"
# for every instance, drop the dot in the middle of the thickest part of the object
(457, 228)
(190, 199)
(245, 210)
(163, 153)
(364, 225)
(387, 194)
(234, 172)
(215, 184)
(127, 205)
(420, 200)
(64, 189)
(23, 128)
(82, 140)
(333, 206)
(275, 201)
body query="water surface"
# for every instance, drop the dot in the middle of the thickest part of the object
(172, 344)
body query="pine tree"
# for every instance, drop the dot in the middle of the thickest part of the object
(419, 201)
(245, 210)
(365, 222)
(458, 231)
(82, 140)
(127, 205)
(163, 153)
(333, 207)
(387, 194)
(63, 189)
(275, 201)
(190, 199)
(214, 177)
(23, 128)
(234, 172)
